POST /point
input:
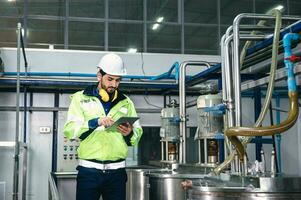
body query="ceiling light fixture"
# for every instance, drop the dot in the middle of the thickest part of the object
(155, 26)
(132, 50)
(160, 19)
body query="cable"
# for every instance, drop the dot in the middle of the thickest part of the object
(142, 65)
(146, 100)
(143, 71)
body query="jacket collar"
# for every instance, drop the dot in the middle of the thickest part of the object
(93, 91)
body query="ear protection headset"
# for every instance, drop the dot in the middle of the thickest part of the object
(105, 97)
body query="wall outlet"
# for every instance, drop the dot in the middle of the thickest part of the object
(45, 129)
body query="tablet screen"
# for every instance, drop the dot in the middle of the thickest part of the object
(122, 120)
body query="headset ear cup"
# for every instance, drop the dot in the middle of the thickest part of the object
(115, 95)
(104, 95)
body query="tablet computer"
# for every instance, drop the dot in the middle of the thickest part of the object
(122, 120)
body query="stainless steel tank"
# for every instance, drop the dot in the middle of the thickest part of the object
(209, 123)
(167, 186)
(274, 188)
(138, 184)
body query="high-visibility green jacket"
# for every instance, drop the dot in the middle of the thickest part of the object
(95, 142)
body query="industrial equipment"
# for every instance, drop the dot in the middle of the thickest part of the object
(210, 128)
(240, 180)
(170, 133)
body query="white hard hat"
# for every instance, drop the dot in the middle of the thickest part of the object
(112, 64)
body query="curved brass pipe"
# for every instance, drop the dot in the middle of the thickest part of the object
(233, 132)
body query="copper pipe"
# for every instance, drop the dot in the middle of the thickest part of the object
(233, 132)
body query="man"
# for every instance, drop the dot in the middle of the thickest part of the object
(102, 152)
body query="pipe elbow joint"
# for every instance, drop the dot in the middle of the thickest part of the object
(287, 39)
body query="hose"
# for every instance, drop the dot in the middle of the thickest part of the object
(235, 141)
(248, 43)
(270, 130)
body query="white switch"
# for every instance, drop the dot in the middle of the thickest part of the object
(45, 129)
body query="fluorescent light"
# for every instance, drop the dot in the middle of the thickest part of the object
(155, 26)
(132, 50)
(7, 144)
(160, 19)
(11, 0)
(279, 7)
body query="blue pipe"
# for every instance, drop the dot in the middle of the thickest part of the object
(70, 74)
(296, 27)
(287, 39)
(168, 75)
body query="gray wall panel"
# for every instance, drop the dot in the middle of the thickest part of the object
(40, 149)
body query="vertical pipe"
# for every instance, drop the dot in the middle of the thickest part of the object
(24, 180)
(221, 149)
(17, 145)
(223, 68)
(205, 151)
(236, 70)
(25, 150)
(228, 82)
(55, 133)
(200, 151)
(182, 97)
(162, 150)
(166, 150)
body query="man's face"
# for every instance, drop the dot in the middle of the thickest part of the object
(109, 82)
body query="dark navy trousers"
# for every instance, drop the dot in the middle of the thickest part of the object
(93, 183)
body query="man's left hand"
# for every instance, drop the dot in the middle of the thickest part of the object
(125, 129)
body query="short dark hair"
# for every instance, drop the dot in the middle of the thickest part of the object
(102, 72)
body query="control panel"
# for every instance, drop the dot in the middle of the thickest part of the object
(67, 158)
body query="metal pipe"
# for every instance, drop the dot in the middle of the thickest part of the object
(17, 145)
(200, 151)
(24, 172)
(236, 61)
(182, 97)
(237, 88)
(162, 150)
(205, 151)
(224, 94)
(293, 97)
(236, 70)
(166, 152)
(229, 83)
(53, 191)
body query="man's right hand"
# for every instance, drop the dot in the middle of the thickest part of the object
(106, 122)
